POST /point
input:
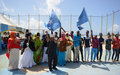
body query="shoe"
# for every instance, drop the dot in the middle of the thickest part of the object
(55, 68)
(51, 70)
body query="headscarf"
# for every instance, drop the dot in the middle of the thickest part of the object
(38, 39)
(63, 36)
(12, 35)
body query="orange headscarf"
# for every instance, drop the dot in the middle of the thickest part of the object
(12, 35)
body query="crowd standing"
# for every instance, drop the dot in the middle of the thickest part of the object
(56, 50)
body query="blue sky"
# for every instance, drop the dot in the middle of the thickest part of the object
(64, 7)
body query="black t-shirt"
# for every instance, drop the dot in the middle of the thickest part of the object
(87, 41)
(101, 40)
(108, 44)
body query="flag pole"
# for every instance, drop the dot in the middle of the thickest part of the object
(60, 27)
(51, 32)
(89, 21)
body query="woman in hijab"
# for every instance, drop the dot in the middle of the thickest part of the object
(62, 44)
(38, 47)
(13, 51)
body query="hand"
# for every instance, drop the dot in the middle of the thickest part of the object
(22, 52)
(76, 40)
(91, 31)
(8, 52)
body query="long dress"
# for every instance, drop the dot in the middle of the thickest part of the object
(26, 59)
(61, 51)
(39, 52)
(14, 51)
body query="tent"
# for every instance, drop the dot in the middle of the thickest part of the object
(7, 25)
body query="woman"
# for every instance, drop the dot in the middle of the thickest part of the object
(62, 44)
(13, 51)
(38, 47)
(26, 60)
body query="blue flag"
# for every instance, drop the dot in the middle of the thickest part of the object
(82, 18)
(79, 27)
(54, 22)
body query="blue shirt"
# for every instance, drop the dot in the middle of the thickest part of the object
(76, 43)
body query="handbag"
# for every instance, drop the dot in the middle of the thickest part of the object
(7, 55)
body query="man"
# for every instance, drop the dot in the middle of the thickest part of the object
(44, 39)
(56, 37)
(68, 52)
(87, 45)
(95, 46)
(76, 41)
(51, 51)
(108, 47)
(81, 47)
(101, 41)
(115, 48)
(72, 35)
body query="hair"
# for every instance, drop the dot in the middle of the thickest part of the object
(72, 32)
(87, 32)
(55, 32)
(27, 30)
(38, 34)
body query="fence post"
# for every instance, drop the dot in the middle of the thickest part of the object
(106, 24)
(39, 22)
(28, 21)
(9, 17)
(70, 22)
(101, 23)
(18, 20)
(113, 23)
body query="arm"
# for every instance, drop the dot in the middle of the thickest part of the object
(63, 29)
(91, 34)
(48, 38)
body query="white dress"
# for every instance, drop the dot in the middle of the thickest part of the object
(26, 59)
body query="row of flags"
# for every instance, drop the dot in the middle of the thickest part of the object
(54, 23)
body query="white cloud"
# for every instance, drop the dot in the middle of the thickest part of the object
(5, 8)
(46, 6)
(34, 24)
(52, 4)
(116, 28)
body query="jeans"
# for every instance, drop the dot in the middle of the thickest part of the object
(115, 51)
(81, 51)
(107, 51)
(117, 55)
(76, 53)
(99, 56)
(94, 52)
(87, 50)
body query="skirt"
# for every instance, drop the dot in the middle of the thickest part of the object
(61, 58)
(14, 58)
(26, 60)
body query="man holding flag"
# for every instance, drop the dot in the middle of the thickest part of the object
(81, 20)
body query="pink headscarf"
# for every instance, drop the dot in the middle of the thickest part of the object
(63, 36)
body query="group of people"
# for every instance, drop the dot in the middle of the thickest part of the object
(57, 50)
